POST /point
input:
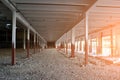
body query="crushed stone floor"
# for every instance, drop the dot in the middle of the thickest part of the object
(50, 64)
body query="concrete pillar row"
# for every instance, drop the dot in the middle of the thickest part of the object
(13, 38)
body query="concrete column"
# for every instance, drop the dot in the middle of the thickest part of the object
(39, 46)
(28, 43)
(37, 43)
(101, 34)
(34, 42)
(80, 45)
(86, 39)
(112, 43)
(46, 45)
(77, 46)
(24, 40)
(13, 38)
(73, 43)
(99, 44)
(90, 46)
(66, 44)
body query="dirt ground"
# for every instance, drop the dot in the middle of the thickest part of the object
(50, 64)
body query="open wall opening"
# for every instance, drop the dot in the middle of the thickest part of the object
(51, 44)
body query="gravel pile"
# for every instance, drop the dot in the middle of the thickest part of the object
(52, 65)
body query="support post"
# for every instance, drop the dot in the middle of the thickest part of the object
(86, 39)
(112, 43)
(38, 43)
(24, 39)
(90, 46)
(66, 44)
(101, 34)
(34, 43)
(77, 46)
(28, 43)
(80, 45)
(73, 43)
(14, 38)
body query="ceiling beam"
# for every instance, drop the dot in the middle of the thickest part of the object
(51, 11)
(49, 8)
(55, 2)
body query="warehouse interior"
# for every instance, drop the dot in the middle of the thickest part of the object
(81, 30)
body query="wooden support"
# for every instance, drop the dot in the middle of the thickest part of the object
(86, 39)
(14, 38)
(28, 43)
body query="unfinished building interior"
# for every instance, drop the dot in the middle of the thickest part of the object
(59, 39)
